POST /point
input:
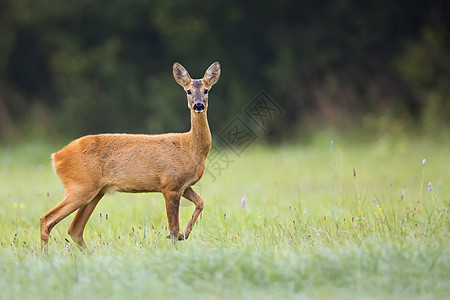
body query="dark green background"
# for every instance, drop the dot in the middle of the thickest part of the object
(69, 68)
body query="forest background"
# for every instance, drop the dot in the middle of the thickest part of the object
(69, 68)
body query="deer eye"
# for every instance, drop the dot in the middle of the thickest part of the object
(205, 92)
(189, 92)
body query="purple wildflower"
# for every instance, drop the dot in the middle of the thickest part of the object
(375, 201)
(331, 145)
(424, 161)
(276, 214)
(304, 212)
(430, 188)
(243, 201)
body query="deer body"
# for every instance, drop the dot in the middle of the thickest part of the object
(169, 163)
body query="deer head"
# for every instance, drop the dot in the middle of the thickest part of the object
(197, 89)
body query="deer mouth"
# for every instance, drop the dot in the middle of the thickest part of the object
(199, 107)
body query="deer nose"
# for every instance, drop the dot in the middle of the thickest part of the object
(199, 107)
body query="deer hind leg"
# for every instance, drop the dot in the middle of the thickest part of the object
(76, 228)
(73, 200)
(172, 207)
(194, 197)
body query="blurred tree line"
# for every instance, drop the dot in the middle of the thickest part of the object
(87, 66)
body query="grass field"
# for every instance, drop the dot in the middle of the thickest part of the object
(352, 218)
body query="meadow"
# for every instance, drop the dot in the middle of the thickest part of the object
(327, 217)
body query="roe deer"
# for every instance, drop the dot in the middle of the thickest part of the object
(168, 163)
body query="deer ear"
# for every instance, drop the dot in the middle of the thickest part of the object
(181, 75)
(212, 74)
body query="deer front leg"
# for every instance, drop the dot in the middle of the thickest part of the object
(172, 207)
(192, 196)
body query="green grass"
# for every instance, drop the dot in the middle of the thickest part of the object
(355, 220)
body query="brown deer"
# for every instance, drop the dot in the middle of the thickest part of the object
(169, 163)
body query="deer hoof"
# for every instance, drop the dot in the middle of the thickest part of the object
(181, 237)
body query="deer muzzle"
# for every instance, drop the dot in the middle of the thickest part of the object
(198, 105)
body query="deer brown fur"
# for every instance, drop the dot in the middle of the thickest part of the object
(168, 163)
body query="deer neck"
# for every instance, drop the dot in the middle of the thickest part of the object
(200, 133)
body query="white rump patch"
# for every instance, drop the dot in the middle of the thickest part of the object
(53, 162)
